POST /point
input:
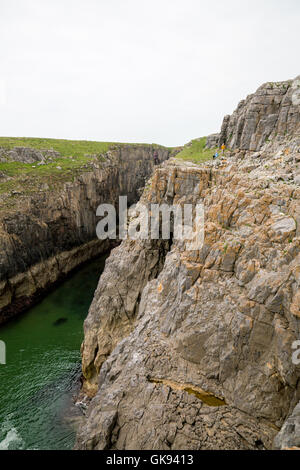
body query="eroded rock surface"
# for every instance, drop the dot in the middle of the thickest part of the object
(222, 319)
(289, 436)
(272, 112)
(193, 349)
(212, 140)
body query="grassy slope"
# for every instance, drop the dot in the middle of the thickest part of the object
(27, 177)
(195, 151)
(76, 157)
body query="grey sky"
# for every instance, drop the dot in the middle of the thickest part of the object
(162, 71)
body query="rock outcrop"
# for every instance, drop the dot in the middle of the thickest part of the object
(47, 233)
(270, 113)
(193, 349)
(212, 141)
(27, 155)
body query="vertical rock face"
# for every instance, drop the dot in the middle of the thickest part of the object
(193, 349)
(49, 232)
(273, 111)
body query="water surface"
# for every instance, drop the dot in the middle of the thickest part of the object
(40, 378)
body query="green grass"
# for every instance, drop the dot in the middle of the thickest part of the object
(82, 152)
(76, 157)
(28, 176)
(195, 151)
(67, 148)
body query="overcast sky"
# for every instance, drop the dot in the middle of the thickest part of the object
(162, 71)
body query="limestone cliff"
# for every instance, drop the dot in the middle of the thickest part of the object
(193, 349)
(270, 113)
(48, 230)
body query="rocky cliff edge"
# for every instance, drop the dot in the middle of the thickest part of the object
(193, 349)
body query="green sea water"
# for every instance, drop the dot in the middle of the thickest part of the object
(41, 376)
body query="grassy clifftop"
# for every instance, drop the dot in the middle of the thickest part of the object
(195, 151)
(67, 148)
(73, 157)
(62, 160)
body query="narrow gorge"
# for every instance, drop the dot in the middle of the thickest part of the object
(50, 261)
(48, 218)
(182, 349)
